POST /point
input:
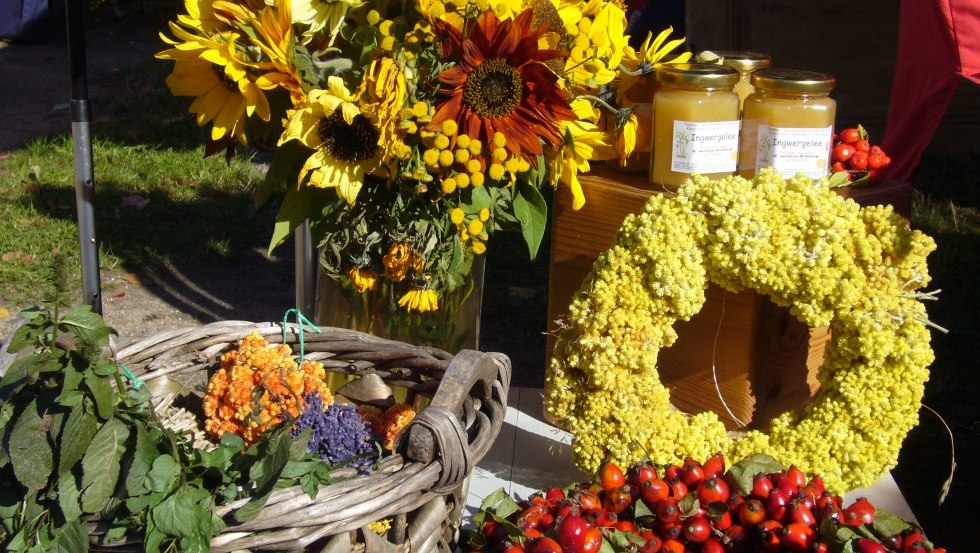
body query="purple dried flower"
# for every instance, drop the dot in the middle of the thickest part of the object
(339, 434)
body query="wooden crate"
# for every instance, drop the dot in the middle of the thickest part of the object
(765, 361)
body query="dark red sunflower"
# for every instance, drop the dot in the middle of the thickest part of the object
(501, 83)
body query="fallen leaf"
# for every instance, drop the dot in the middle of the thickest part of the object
(55, 250)
(27, 259)
(4, 313)
(119, 296)
(134, 200)
(132, 278)
(9, 256)
(5, 155)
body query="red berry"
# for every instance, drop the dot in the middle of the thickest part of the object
(858, 161)
(571, 533)
(798, 537)
(865, 545)
(862, 146)
(751, 512)
(714, 466)
(611, 476)
(842, 152)
(697, 529)
(652, 491)
(713, 489)
(850, 136)
(876, 161)
(860, 512)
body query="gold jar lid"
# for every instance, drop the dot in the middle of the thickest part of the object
(699, 75)
(743, 61)
(792, 80)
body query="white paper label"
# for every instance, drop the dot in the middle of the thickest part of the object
(704, 148)
(792, 150)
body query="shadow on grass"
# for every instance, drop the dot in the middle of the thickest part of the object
(947, 210)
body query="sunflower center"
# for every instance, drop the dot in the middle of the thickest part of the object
(493, 89)
(349, 142)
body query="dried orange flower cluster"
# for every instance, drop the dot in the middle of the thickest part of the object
(388, 423)
(256, 385)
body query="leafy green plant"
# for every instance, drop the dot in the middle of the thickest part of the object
(84, 450)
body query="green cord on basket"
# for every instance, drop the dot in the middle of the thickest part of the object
(300, 321)
(137, 383)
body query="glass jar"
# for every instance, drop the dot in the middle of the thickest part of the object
(745, 63)
(788, 123)
(695, 123)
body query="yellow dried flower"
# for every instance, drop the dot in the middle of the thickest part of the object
(796, 241)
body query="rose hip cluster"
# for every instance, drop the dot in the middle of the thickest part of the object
(694, 508)
(853, 153)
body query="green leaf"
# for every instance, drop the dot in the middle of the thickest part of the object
(72, 537)
(163, 474)
(621, 541)
(310, 485)
(75, 437)
(282, 171)
(101, 390)
(266, 472)
(532, 212)
(689, 505)
(69, 496)
(641, 510)
(839, 179)
(105, 367)
(179, 515)
(143, 454)
(30, 451)
(88, 326)
(501, 503)
(153, 540)
(28, 334)
(745, 470)
(297, 206)
(887, 524)
(25, 371)
(251, 509)
(100, 467)
(300, 446)
(71, 378)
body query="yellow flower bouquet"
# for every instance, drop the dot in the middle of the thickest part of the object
(407, 133)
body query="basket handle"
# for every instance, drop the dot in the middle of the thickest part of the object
(437, 432)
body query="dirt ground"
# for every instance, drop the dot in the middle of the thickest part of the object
(34, 100)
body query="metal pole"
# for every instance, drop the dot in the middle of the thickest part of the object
(84, 179)
(305, 270)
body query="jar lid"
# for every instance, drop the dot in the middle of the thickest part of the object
(701, 75)
(743, 61)
(792, 80)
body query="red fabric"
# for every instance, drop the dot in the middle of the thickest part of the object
(938, 44)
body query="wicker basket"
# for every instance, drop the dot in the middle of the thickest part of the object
(422, 487)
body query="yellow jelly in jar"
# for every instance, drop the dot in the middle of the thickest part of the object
(787, 123)
(695, 123)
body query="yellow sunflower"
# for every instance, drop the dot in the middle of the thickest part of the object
(584, 141)
(420, 299)
(322, 14)
(275, 37)
(211, 70)
(501, 84)
(640, 63)
(382, 96)
(344, 141)
(363, 279)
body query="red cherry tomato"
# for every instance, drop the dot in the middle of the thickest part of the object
(862, 146)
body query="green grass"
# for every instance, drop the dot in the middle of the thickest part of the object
(146, 151)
